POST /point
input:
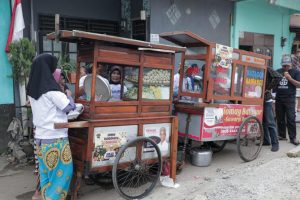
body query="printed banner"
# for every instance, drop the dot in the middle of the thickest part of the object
(160, 133)
(254, 82)
(221, 70)
(223, 122)
(109, 140)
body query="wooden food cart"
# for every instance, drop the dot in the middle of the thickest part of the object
(221, 94)
(114, 135)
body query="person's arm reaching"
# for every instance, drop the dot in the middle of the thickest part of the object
(70, 106)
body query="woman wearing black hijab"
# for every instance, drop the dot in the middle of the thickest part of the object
(50, 105)
(115, 83)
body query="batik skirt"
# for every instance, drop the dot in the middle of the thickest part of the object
(55, 167)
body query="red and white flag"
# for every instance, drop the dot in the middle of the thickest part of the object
(16, 25)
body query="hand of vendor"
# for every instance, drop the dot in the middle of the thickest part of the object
(287, 75)
(68, 92)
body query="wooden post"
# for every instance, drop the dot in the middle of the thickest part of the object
(173, 153)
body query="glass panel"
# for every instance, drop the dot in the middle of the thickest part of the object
(222, 79)
(156, 84)
(57, 46)
(85, 70)
(254, 82)
(72, 47)
(121, 84)
(56, 54)
(47, 44)
(238, 80)
(193, 76)
(131, 81)
(196, 50)
(73, 57)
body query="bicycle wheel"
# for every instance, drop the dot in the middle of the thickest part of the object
(250, 138)
(217, 146)
(137, 168)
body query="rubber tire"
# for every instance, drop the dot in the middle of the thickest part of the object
(238, 140)
(115, 167)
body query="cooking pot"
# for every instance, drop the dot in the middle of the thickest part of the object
(201, 157)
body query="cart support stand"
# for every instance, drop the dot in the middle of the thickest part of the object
(75, 184)
(187, 127)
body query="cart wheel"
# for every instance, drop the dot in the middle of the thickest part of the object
(134, 174)
(217, 146)
(250, 138)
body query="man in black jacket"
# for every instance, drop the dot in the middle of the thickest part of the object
(286, 100)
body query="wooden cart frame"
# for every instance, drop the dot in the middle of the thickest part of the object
(201, 49)
(100, 48)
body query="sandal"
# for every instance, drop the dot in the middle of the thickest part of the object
(37, 197)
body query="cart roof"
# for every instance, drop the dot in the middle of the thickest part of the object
(76, 36)
(185, 39)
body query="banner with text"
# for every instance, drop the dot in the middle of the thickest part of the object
(223, 122)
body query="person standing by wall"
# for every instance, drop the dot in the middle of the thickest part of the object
(50, 105)
(269, 125)
(285, 100)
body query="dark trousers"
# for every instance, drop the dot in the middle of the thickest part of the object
(286, 117)
(269, 125)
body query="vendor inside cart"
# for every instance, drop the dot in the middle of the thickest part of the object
(113, 83)
(115, 76)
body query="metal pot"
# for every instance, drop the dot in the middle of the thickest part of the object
(201, 157)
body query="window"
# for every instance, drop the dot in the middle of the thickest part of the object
(69, 50)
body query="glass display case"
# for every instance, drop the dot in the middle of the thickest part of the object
(217, 73)
(131, 81)
(156, 84)
(193, 76)
(238, 80)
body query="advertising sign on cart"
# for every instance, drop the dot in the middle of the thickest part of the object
(109, 140)
(221, 70)
(160, 133)
(223, 122)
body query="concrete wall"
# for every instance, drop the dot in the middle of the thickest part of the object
(259, 16)
(194, 17)
(6, 87)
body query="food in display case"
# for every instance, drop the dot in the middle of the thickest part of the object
(156, 77)
(156, 84)
(131, 79)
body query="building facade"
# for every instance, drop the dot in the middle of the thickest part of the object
(7, 108)
(264, 27)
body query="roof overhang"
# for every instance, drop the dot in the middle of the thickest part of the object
(77, 36)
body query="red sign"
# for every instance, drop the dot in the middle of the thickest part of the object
(223, 122)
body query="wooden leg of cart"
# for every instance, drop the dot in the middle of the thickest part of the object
(187, 127)
(173, 156)
(75, 185)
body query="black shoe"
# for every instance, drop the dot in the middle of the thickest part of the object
(281, 138)
(275, 148)
(294, 142)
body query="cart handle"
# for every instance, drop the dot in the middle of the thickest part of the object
(78, 124)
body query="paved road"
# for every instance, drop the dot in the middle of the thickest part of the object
(225, 179)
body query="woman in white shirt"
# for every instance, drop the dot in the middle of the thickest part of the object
(50, 105)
